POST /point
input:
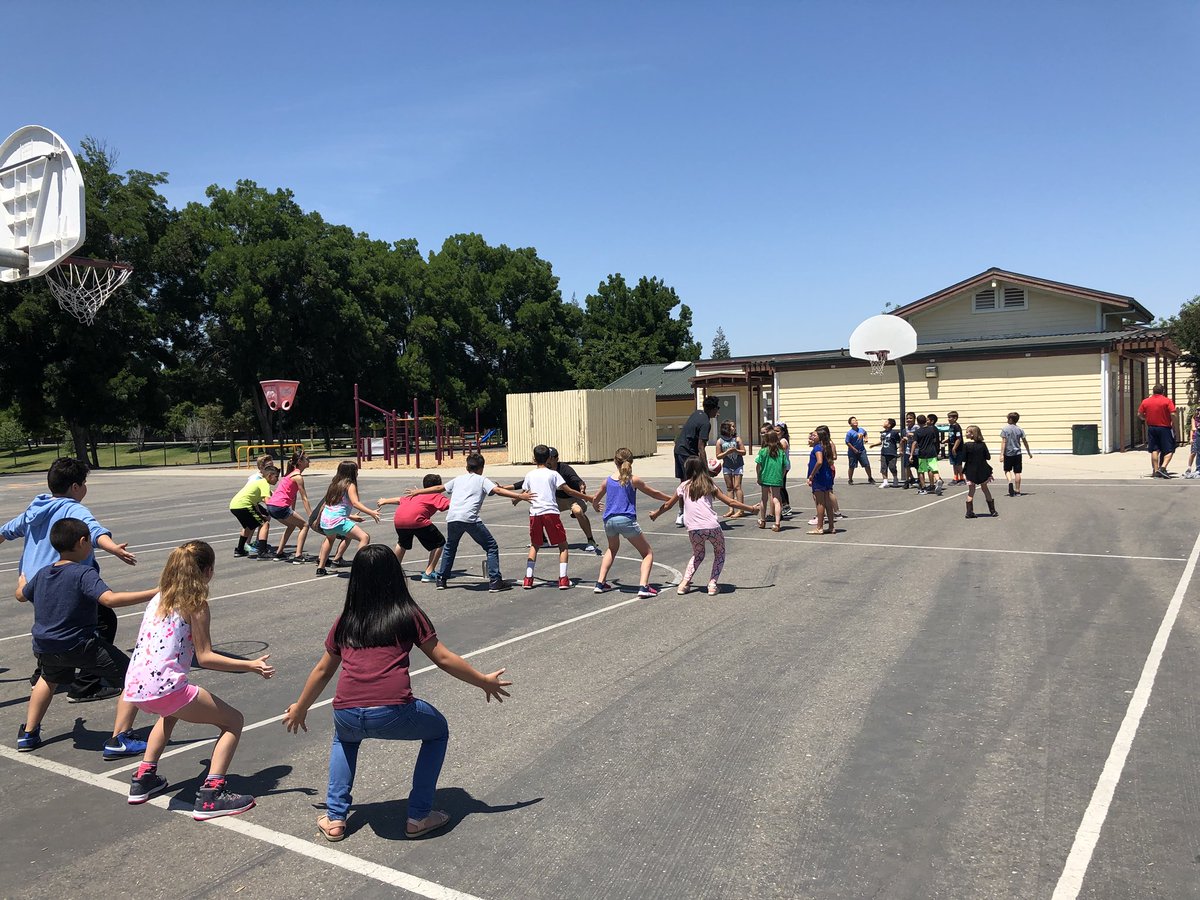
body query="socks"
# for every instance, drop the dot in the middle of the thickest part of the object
(562, 570)
(215, 782)
(241, 543)
(529, 568)
(144, 768)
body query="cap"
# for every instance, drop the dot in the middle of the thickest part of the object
(553, 452)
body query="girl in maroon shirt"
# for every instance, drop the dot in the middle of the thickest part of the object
(370, 642)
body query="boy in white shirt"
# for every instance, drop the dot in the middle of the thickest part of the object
(543, 482)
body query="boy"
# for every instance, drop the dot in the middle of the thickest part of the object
(889, 446)
(1012, 436)
(856, 446)
(467, 493)
(65, 598)
(927, 439)
(248, 508)
(909, 448)
(414, 518)
(542, 484)
(67, 481)
(954, 446)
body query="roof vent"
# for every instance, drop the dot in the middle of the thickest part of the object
(676, 366)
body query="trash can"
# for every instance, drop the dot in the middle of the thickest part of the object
(1085, 440)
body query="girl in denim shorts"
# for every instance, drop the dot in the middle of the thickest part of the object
(620, 520)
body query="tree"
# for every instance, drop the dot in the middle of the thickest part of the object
(1184, 328)
(720, 345)
(624, 328)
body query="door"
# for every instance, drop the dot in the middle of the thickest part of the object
(728, 410)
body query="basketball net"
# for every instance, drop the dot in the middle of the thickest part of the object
(81, 286)
(878, 359)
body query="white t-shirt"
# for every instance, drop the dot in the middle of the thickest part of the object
(545, 483)
(467, 493)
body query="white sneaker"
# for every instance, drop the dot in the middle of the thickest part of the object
(590, 548)
(679, 521)
(941, 486)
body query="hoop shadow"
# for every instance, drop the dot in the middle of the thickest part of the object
(388, 818)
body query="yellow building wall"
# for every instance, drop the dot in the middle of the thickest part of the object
(671, 416)
(1051, 393)
(1047, 313)
(585, 426)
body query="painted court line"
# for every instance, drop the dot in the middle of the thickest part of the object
(1071, 880)
(317, 852)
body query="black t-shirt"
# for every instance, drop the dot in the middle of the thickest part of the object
(889, 440)
(571, 477)
(928, 439)
(954, 436)
(694, 434)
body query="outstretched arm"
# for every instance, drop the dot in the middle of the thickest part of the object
(352, 493)
(318, 680)
(453, 664)
(218, 662)
(433, 489)
(114, 599)
(737, 504)
(106, 543)
(655, 513)
(600, 495)
(649, 491)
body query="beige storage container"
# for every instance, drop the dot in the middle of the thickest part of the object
(585, 426)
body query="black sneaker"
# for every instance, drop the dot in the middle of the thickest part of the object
(99, 692)
(214, 802)
(238, 554)
(320, 572)
(339, 564)
(1012, 491)
(1165, 473)
(498, 585)
(149, 785)
(440, 582)
(28, 740)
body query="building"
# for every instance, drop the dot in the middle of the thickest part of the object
(675, 398)
(1060, 354)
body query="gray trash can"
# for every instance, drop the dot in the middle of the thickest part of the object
(1085, 440)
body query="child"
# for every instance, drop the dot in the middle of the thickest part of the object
(977, 470)
(67, 481)
(856, 439)
(1195, 441)
(820, 479)
(65, 597)
(375, 634)
(467, 493)
(732, 454)
(785, 444)
(542, 484)
(889, 445)
(908, 447)
(620, 520)
(414, 518)
(927, 439)
(336, 519)
(954, 446)
(174, 629)
(1012, 436)
(769, 465)
(264, 460)
(697, 494)
(247, 506)
(281, 505)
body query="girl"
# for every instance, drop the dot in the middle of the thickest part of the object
(174, 627)
(702, 524)
(785, 444)
(769, 465)
(1195, 440)
(732, 453)
(977, 470)
(824, 436)
(620, 520)
(371, 641)
(336, 520)
(282, 506)
(820, 478)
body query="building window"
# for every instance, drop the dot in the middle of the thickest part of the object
(1010, 298)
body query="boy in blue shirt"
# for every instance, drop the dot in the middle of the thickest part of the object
(66, 597)
(856, 445)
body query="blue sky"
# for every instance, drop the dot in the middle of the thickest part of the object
(788, 167)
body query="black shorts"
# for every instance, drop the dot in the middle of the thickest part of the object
(1013, 463)
(95, 656)
(429, 535)
(248, 518)
(1160, 438)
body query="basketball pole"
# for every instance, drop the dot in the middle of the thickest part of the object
(900, 375)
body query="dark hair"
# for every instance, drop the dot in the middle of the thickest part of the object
(1160, 389)
(65, 472)
(931, 418)
(541, 454)
(826, 440)
(891, 423)
(553, 452)
(711, 404)
(771, 442)
(430, 480)
(474, 463)
(1014, 417)
(921, 420)
(346, 475)
(379, 610)
(294, 462)
(783, 432)
(66, 533)
(953, 412)
(910, 415)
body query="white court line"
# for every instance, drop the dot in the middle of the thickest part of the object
(1071, 880)
(318, 852)
(183, 748)
(151, 547)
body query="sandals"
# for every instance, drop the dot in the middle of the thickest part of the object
(713, 589)
(776, 527)
(684, 587)
(762, 523)
(417, 827)
(818, 531)
(328, 827)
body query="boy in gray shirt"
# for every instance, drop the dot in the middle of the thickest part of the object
(1012, 436)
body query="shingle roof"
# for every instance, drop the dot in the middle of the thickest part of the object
(666, 384)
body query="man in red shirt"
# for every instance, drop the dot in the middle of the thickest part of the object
(1158, 411)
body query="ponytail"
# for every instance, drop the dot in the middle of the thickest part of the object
(624, 460)
(183, 585)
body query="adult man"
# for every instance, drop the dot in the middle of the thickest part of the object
(954, 445)
(692, 439)
(1157, 411)
(567, 503)
(856, 448)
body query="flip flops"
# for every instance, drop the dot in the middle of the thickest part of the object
(327, 827)
(418, 827)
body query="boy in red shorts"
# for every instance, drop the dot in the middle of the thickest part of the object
(414, 518)
(544, 519)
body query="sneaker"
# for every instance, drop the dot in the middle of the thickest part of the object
(496, 585)
(439, 581)
(564, 583)
(300, 559)
(527, 583)
(679, 521)
(213, 802)
(646, 590)
(921, 491)
(428, 578)
(591, 548)
(870, 481)
(99, 692)
(265, 554)
(238, 554)
(28, 740)
(812, 521)
(939, 487)
(839, 515)
(602, 587)
(786, 511)
(339, 564)
(885, 484)
(1165, 473)
(124, 744)
(321, 572)
(1012, 491)
(142, 789)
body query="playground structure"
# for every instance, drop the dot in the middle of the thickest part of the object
(407, 433)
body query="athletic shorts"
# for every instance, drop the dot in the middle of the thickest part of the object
(340, 530)
(622, 526)
(1160, 439)
(279, 512)
(171, 703)
(858, 458)
(549, 524)
(1012, 463)
(429, 535)
(95, 656)
(248, 518)
(567, 505)
(927, 464)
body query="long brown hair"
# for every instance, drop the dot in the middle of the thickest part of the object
(183, 585)
(700, 482)
(771, 441)
(826, 442)
(624, 461)
(346, 475)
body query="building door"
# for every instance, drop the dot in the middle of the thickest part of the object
(728, 410)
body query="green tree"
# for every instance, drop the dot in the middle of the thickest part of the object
(626, 327)
(720, 345)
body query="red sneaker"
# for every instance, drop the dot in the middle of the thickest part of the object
(527, 583)
(564, 583)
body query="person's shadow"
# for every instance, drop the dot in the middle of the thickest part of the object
(262, 783)
(388, 818)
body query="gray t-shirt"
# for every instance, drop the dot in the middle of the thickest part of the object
(467, 493)
(1012, 435)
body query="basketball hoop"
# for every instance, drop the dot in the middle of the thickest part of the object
(279, 394)
(878, 359)
(81, 286)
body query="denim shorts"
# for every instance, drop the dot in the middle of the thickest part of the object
(279, 512)
(622, 526)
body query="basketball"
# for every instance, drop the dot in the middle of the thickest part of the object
(714, 467)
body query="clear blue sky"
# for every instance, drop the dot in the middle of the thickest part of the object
(787, 167)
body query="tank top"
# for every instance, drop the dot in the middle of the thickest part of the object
(285, 492)
(161, 657)
(730, 460)
(619, 499)
(335, 515)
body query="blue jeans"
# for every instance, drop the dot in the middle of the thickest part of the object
(480, 535)
(416, 721)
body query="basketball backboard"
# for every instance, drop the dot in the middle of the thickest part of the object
(891, 334)
(42, 219)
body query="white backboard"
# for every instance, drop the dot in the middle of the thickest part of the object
(890, 333)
